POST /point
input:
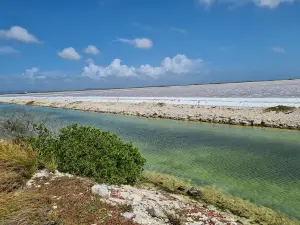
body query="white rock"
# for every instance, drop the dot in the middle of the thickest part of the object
(101, 190)
(156, 211)
(128, 215)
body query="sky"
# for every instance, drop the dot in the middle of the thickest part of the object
(67, 44)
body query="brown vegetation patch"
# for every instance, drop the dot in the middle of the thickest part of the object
(30, 103)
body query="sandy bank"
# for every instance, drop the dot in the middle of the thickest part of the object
(247, 116)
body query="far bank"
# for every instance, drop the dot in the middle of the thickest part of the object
(283, 117)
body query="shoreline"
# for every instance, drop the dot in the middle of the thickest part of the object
(245, 116)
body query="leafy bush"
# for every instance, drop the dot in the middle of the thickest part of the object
(87, 151)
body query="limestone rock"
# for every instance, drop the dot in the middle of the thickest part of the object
(156, 211)
(101, 190)
(128, 215)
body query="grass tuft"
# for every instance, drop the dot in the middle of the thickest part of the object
(17, 164)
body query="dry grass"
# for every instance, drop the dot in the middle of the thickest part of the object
(210, 195)
(25, 208)
(17, 164)
(60, 201)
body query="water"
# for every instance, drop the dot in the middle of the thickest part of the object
(261, 165)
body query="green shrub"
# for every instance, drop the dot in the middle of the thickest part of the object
(88, 151)
(280, 108)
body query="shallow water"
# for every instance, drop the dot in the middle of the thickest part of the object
(261, 165)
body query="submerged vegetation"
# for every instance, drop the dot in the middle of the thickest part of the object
(213, 196)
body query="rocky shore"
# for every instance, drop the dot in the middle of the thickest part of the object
(246, 116)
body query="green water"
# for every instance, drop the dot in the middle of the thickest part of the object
(261, 165)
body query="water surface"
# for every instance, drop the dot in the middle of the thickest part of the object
(261, 165)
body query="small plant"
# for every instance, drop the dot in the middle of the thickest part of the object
(173, 220)
(125, 208)
(280, 108)
(161, 104)
(30, 103)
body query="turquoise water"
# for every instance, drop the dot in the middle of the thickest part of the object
(261, 165)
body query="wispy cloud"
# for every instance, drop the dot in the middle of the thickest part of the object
(179, 30)
(8, 50)
(34, 74)
(20, 34)
(143, 27)
(225, 48)
(259, 3)
(279, 50)
(144, 43)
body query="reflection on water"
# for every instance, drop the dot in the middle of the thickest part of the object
(261, 165)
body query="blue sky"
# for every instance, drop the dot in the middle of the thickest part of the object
(55, 45)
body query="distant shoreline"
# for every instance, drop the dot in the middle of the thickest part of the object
(141, 87)
(246, 116)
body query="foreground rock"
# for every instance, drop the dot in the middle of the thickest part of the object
(246, 116)
(148, 206)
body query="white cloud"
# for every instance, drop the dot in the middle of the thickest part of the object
(278, 50)
(260, 3)
(177, 65)
(18, 33)
(91, 49)
(114, 69)
(69, 53)
(144, 43)
(8, 50)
